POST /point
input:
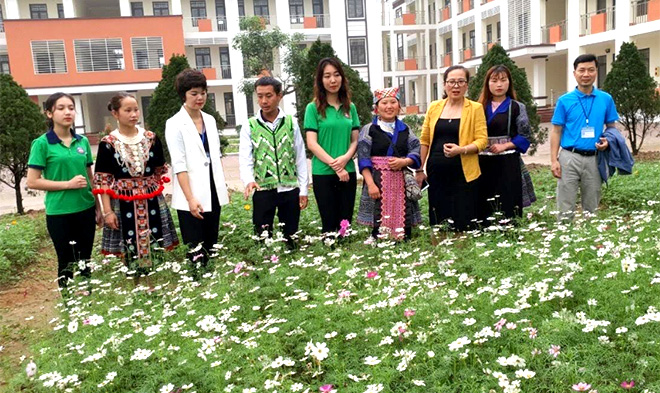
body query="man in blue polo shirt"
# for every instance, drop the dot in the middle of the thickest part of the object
(577, 127)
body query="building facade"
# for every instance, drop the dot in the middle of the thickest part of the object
(421, 38)
(95, 48)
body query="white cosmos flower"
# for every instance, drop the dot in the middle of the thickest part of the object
(371, 360)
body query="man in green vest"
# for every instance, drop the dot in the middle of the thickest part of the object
(273, 164)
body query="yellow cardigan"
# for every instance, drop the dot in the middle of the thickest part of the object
(472, 131)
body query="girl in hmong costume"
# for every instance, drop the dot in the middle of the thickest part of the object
(129, 176)
(386, 147)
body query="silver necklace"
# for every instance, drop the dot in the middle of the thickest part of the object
(450, 115)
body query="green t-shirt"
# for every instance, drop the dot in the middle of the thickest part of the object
(334, 134)
(60, 163)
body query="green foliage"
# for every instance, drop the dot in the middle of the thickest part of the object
(165, 102)
(304, 72)
(496, 56)
(21, 237)
(21, 121)
(258, 46)
(634, 94)
(415, 123)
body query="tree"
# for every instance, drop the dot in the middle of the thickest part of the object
(165, 102)
(21, 121)
(634, 94)
(258, 47)
(496, 56)
(303, 78)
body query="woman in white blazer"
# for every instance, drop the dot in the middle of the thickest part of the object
(199, 182)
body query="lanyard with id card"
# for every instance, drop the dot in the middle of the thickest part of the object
(587, 131)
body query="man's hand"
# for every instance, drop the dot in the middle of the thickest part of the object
(556, 169)
(603, 144)
(249, 188)
(303, 202)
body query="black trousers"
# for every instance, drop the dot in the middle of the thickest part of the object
(73, 238)
(205, 232)
(335, 199)
(287, 205)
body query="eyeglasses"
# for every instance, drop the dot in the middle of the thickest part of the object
(459, 82)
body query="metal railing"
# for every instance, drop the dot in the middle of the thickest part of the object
(221, 23)
(444, 13)
(639, 11)
(465, 5)
(310, 21)
(488, 45)
(207, 24)
(411, 64)
(446, 59)
(225, 71)
(230, 120)
(554, 32)
(597, 21)
(411, 18)
(466, 54)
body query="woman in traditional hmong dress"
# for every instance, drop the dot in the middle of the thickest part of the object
(386, 147)
(129, 175)
(502, 191)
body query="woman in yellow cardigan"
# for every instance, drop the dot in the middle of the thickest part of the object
(454, 132)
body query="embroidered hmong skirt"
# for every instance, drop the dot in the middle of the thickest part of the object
(143, 224)
(393, 210)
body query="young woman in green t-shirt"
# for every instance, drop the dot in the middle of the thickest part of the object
(60, 164)
(332, 126)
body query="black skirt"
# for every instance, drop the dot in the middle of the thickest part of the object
(500, 187)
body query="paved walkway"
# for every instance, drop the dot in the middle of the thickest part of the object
(230, 164)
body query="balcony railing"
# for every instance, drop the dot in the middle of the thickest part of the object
(205, 24)
(466, 54)
(597, 21)
(444, 14)
(225, 71)
(2, 26)
(411, 18)
(642, 11)
(411, 64)
(488, 45)
(554, 32)
(310, 22)
(446, 60)
(465, 5)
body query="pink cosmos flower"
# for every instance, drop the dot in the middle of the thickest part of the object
(274, 258)
(239, 266)
(86, 322)
(581, 387)
(500, 324)
(372, 274)
(554, 350)
(344, 293)
(325, 388)
(408, 313)
(532, 333)
(628, 385)
(343, 227)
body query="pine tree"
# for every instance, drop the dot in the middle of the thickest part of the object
(21, 121)
(633, 91)
(496, 56)
(303, 79)
(165, 102)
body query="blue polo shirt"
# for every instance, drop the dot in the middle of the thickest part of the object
(572, 111)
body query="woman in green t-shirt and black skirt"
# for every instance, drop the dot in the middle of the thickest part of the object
(332, 126)
(60, 164)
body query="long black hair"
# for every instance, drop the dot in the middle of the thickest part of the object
(320, 95)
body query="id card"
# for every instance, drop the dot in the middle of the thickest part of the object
(588, 132)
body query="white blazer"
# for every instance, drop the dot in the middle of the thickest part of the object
(188, 155)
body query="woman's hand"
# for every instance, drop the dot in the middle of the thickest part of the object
(452, 150)
(196, 208)
(374, 191)
(339, 163)
(420, 177)
(343, 175)
(78, 181)
(98, 216)
(111, 220)
(398, 164)
(498, 148)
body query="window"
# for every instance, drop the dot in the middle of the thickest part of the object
(522, 29)
(317, 10)
(221, 15)
(471, 39)
(399, 47)
(146, 101)
(602, 70)
(60, 10)
(161, 8)
(48, 57)
(296, 11)
(4, 64)
(489, 34)
(137, 9)
(355, 9)
(210, 97)
(197, 11)
(147, 52)
(101, 54)
(261, 8)
(241, 7)
(448, 45)
(38, 11)
(499, 30)
(357, 51)
(2, 23)
(249, 101)
(435, 91)
(203, 58)
(398, 13)
(645, 54)
(230, 117)
(225, 65)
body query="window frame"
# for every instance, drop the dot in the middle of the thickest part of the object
(354, 6)
(4, 63)
(39, 12)
(159, 11)
(111, 61)
(49, 53)
(159, 52)
(197, 55)
(351, 41)
(135, 6)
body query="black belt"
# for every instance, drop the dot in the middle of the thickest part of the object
(586, 153)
